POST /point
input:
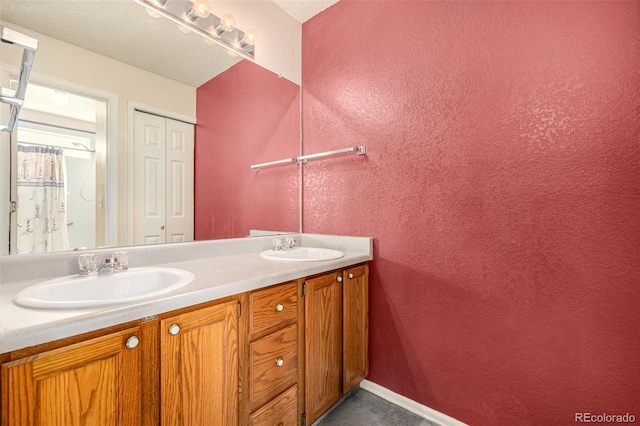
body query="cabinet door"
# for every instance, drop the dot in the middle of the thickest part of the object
(323, 355)
(97, 382)
(356, 326)
(199, 364)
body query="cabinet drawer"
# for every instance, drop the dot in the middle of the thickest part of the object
(281, 411)
(272, 306)
(273, 364)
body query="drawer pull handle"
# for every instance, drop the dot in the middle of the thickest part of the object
(279, 307)
(350, 276)
(280, 362)
(132, 342)
(174, 329)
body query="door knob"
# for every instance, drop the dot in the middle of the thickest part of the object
(174, 329)
(350, 276)
(339, 279)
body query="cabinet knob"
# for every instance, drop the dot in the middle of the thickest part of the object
(339, 279)
(350, 276)
(132, 342)
(162, 227)
(174, 329)
(279, 307)
(280, 362)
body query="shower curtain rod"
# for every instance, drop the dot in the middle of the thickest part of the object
(58, 147)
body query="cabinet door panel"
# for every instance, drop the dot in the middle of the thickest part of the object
(96, 382)
(323, 358)
(356, 326)
(199, 383)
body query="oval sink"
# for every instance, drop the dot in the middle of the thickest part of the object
(75, 291)
(303, 254)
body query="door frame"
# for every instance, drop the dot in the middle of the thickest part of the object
(132, 107)
(111, 99)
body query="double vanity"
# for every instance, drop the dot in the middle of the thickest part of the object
(243, 335)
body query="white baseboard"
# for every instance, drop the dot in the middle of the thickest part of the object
(410, 405)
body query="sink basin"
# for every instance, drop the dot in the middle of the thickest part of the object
(75, 291)
(303, 254)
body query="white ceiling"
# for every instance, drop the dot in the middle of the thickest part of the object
(122, 30)
(303, 10)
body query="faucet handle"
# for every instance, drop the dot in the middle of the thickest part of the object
(289, 242)
(277, 244)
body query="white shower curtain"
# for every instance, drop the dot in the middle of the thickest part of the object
(42, 199)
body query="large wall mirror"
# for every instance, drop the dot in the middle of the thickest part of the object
(111, 84)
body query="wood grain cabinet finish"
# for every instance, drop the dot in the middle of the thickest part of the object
(199, 367)
(273, 306)
(96, 382)
(323, 345)
(355, 342)
(281, 411)
(273, 364)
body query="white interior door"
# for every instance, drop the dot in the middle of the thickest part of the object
(179, 175)
(149, 179)
(163, 180)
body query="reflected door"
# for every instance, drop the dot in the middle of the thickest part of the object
(163, 180)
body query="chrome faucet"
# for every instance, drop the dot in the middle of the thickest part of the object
(279, 244)
(109, 263)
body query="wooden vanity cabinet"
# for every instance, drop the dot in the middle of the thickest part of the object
(178, 369)
(355, 318)
(199, 367)
(337, 337)
(281, 355)
(95, 382)
(271, 392)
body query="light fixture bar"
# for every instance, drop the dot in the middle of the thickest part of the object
(195, 29)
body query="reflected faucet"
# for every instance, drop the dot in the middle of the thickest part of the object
(109, 263)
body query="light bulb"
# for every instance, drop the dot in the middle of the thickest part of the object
(249, 38)
(60, 98)
(227, 23)
(200, 9)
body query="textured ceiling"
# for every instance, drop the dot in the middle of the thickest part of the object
(303, 10)
(122, 30)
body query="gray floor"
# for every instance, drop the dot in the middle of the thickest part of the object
(362, 408)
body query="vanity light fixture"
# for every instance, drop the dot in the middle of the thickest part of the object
(198, 19)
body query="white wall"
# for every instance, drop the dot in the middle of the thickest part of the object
(279, 46)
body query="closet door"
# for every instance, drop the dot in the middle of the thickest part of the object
(149, 221)
(179, 178)
(163, 180)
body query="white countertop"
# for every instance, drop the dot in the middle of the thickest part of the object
(217, 276)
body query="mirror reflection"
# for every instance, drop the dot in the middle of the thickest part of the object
(135, 133)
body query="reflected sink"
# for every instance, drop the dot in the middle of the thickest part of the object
(303, 254)
(75, 291)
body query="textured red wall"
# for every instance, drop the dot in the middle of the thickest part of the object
(246, 115)
(502, 187)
